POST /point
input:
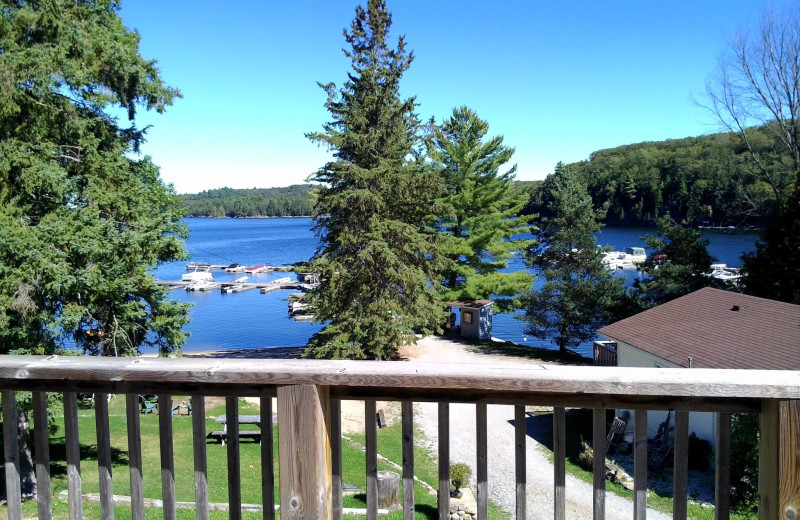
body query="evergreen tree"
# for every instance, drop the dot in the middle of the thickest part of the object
(378, 258)
(580, 294)
(678, 265)
(484, 205)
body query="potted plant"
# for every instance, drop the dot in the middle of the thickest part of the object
(460, 474)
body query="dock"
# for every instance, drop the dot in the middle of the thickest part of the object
(232, 287)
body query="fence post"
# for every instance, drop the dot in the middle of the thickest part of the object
(779, 460)
(304, 452)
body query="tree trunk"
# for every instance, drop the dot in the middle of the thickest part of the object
(27, 472)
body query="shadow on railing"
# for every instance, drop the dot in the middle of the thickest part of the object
(309, 394)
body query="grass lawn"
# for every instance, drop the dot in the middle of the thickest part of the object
(353, 462)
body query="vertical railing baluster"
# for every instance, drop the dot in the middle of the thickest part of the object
(135, 456)
(371, 434)
(267, 464)
(482, 442)
(104, 456)
(407, 415)
(73, 453)
(722, 471)
(680, 465)
(640, 465)
(443, 504)
(42, 446)
(559, 462)
(599, 463)
(234, 462)
(200, 457)
(520, 435)
(11, 452)
(769, 460)
(167, 456)
(336, 457)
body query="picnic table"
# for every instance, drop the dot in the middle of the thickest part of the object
(222, 435)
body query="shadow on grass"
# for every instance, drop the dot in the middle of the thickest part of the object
(511, 349)
(256, 353)
(539, 426)
(58, 456)
(427, 510)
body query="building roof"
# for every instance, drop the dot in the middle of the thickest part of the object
(473, 304)
(717, 329)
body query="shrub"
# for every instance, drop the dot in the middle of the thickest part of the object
(460, 474)
(699, 453)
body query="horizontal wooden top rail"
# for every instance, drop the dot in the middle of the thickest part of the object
(589, 386)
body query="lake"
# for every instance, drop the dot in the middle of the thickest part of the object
(252, 320)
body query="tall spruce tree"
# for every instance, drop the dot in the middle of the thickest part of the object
(580, 294)
(483, 204)
(378, 258)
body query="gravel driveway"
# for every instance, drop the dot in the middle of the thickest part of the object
(501, 445)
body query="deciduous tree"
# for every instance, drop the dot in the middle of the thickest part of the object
(484, 205)
(378, 258)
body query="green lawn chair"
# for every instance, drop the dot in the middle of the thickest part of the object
(147, 406)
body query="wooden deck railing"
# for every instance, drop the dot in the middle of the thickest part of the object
(309, 393)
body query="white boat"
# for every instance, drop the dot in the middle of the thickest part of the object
(625, 259)
(724, 273)
(235, 268)
(198, 274)
(241, 279)
(201, 285)
(194, 266)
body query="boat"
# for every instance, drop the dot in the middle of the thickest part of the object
(201, 285)
(258, 269)
(724, 273)
(625, 259)
(195, 266)
(235, 268)
(198, 274)
(241, 279)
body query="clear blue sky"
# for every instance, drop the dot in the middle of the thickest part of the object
(557, 79)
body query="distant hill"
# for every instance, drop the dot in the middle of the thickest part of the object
(291, 201)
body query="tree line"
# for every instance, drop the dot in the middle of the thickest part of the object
(291, 201)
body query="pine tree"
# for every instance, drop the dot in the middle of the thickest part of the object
(378, 257)
(484, 205)
(579, 294)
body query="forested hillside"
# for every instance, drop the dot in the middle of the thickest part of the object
(702, 180)
(292, 201)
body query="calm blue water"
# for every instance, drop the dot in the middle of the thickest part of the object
(253, 320)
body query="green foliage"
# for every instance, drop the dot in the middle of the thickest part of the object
(677, 265)
(580, 295)
(484, 205)
(379, 255)
(699, 453)
(81, 220)
(292, 201)
(460, 473)
(744, 462)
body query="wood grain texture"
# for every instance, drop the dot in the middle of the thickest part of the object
(444, 461)
(104, 456)
(789, 491)
(11, 453)
(407, 419)
(520, 465)
(73, 455)
(769, 461)
(135, 456)
(167, 456)
(234, 462)
(680, 464)
(640, 465)
(200, 457)
(722, 471)
(304, 452)
(42, 445)
(371, 438)
(482, 447)
(599, 464)
(559, 463)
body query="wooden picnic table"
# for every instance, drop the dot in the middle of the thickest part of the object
(222, 435)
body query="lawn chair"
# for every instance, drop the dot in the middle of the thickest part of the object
(176, 409)
(189, 405)
(147, 406)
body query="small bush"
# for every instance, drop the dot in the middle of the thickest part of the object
(699, 453)
(460, 474)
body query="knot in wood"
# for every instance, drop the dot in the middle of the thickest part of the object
(790, 514)
(294, 503)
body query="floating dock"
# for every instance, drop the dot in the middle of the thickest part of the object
(233, 287)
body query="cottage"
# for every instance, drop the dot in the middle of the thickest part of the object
(709, 328)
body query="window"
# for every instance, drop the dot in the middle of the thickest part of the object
(467, 317)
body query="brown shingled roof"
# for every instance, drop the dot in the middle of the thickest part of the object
(706, 326)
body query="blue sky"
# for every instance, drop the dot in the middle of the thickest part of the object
(557, 79)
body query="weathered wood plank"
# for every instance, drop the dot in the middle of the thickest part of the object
(135, 456)
(559, 463)
(769, 460)
(267, 464)
(599, 464)
(520, 464)
(640, 465)
(680, 464)
(167, 456)
(407, 418)
(371, 437)
(789, 492)
(42, 446)
(104, 456)
(11, 453)
(482, 446)
(722, 472)
(443, 504)
(200, 457)
(73, 455)
(234, 459)
(336, 457)
(193, 375)
(304, 452)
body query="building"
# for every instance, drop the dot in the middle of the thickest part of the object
(475, 318)
(709, 328)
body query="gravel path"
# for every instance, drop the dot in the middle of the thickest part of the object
(501, 445)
